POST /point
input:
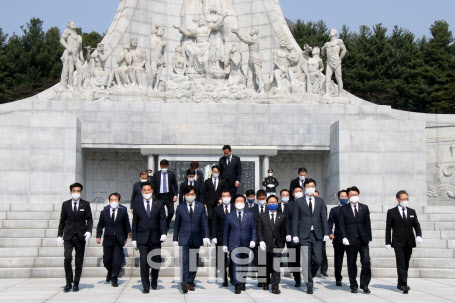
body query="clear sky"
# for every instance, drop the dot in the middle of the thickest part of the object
(415, 15)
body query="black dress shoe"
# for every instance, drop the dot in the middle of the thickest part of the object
(184, 288)
(225, 284)
(366, 289)
(338, 283)
(265, 287)
(243, 287)
(309, 291)
(298, 284)
(324, 274)
(354, 290)
(109, 277)
(238, 290)
(276, 291)
(154, 284)
(146, 291)
(75, 288)
(67, 287)
(260, 284)
(405, 289)
(114, 283)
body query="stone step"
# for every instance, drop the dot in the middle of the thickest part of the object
(444, 226)
(438, 210)
(378, 252)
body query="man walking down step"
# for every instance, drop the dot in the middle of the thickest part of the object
(401, 223)
(74, 231)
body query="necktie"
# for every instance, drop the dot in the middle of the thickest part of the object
(191, 210)
(240, 218)
(165, 190)
(311, 207)
(262, 209)
(148, 208)
(355, 211)
(273, 221)
(215, 184)
(229, 161)
(75, 207)
(113, 215)
(191, 183)
(226, 210)
(404, 214)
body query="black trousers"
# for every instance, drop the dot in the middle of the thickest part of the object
(113, 259)
(314, 256)
(144, 250)
(402, 256)
(225, 269)
(187, 275)
(79, 246)
(365, 275)
(324, 263)
(295, 264)
(169, 203)
(273, 269)
(339, 250)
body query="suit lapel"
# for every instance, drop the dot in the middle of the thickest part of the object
(305, 205)
(400, 214)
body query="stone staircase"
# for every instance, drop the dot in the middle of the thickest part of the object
(28, 245)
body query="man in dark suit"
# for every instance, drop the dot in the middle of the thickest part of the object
(401, 223)
(240, 232)
(336, 237)
(355, 227)
(149, 234)
(166, 190)
(199, 177)
(231, 170)
(114, 219)
(190, 181)
(213, 187)
(191, 231)
(272, 237)
(310, 228)
(217, 229)
(76, 224)
(137, 190)
(284, 200)
(299, 180)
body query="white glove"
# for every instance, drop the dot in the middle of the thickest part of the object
(225, 249)
(87, 236)
(134, 243)
(345, 241)
(326, 238)
(388, 247)
(59, 241)
(296, 240)
(252, 244)
(176, 244)
(214, 241)
(163, 238)
(369, 244)
(262, 245)
(419, 240)
(288, 238)
(270, 185)
(206, 242)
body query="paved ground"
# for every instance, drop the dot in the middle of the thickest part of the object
(96, 290)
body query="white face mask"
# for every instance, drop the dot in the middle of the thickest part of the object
(404, 204)
(270, 174)
(114, 204)
(191, 179)
(310, 191)
(142, 180)
(190, 199)
(262, 202)
(215, 175)
(298, 195)
(76, 196)
(226, 201)
(147, 196)
(302, 178)
(354, 199)
(164, 170)
(239, 205)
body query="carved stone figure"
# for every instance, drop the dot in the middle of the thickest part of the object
(254, 73)
(72, 57)
(121, 72)
(315, 78)
(157, 59)
(236, 76)
(179, 61)
(296, 74)
(334, 58)
(136, 60)
(281, 64)
(190, 9)
(100, 77)
(216, 39)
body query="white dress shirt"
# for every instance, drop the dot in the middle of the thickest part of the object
(77, 204)
(228, 159)
(228, 208)
(145, 204)
(312, 206)
(400, 208)
(237, 214)
(192, 205)
(356, 205)
(116, 212)
(274, 216)
(164, 175)
(215, 183)
(282, 207)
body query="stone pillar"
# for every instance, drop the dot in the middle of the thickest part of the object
(151, 162)
(265, 166)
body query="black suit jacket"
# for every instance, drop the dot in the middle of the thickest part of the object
(136, 193)
(255, 210)
(70, 222)
(280, 206)
(217, 222)
(400, 233)
(145, 228)
(273, 237)
(197, 189)
(351, 226)
(231, 173)
(120, 228)
(334, 218)
(210, 196)
(200, 178)
(172, 184)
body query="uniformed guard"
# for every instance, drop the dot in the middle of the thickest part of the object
(270, 183)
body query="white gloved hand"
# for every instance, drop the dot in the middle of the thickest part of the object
(270, 185)
(87, 236)
(326, 238)
(206, 242)
(59, 241)
(134, 243)
(262, 245)
(369, 244)
(345, 241)
(419, 240)
(388, 247)
(296, 240)
(176, 244)
(214, 241)
(225, 249)
(252, 244)
(288, 238)
(163, 238)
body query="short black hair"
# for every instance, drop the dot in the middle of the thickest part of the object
(308, 181)
(164, 162)
(284, 189)
(225, 191)
(302, 170)
(272, 196)
(194, 164)
(146, 184)
(316, 191)
(401, 192)
(261, 192)
(298, 186)
(142, 173)
(342, 191)
(250, 192)
(216, 166)
(228, 147)
(352, 188)
(190, 171)
(187, 189)
(239, 196)
(115, 194)
(76, 185)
